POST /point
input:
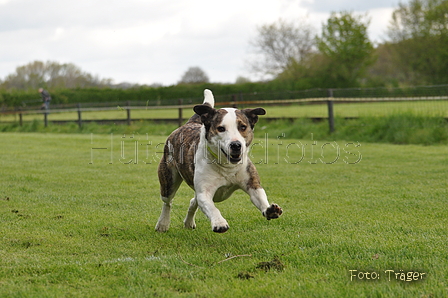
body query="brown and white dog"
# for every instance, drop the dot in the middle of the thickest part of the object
(210, 153)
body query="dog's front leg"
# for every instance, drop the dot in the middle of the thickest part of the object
(258, 195)
(260, 200)
(205, 203)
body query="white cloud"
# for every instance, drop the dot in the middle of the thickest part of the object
(380, 19)
(153, 41)
(348, 5)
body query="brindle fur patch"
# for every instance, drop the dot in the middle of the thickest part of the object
(216, 121)
(179, 154)
(254, 179)
(248, 133)
(252, 115)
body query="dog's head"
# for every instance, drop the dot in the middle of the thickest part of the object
(229, 131)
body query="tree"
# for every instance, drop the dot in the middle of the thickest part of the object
(384, 71)
(194, 75)
(419, 35)
(51, 75)
(242, 80)
(345, 45)
(279, 45)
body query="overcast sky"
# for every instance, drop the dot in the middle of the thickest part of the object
(156, 41)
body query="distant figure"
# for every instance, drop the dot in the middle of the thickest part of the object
(46, 98)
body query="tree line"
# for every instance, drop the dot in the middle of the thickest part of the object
(51, 75)
(342, 55)
(287, 55)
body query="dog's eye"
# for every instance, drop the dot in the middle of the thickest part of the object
(243, 127)
(221, 129)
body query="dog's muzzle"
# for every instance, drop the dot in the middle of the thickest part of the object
(235, 153)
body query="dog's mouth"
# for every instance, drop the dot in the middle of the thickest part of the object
(233, 157)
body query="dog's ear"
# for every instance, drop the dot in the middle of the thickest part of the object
(206, 112)
(252, 115)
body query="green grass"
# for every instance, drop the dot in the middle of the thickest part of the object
(356, 109)
(103, 115)
(414, 122)
(79, 222)
(403, 128)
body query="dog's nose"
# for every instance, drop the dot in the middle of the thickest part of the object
(235, 146)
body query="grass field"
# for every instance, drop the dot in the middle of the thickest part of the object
(79, 222)
(405, 128)
(426, 108)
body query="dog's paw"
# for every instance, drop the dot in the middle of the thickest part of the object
(189, 224)
(220, 229)
(220, 225)
(162, 227)
(273, 211)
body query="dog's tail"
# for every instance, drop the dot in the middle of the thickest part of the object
(208, 97)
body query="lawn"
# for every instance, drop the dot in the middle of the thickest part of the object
(78, 212)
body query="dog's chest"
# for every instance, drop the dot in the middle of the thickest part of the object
(225, 179)
(224, 192)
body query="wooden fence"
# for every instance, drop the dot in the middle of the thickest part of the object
(329, 101)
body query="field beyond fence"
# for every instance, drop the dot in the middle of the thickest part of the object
(365, 114)
(316, 108)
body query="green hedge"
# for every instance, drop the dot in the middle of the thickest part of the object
(193, 93)
(147, 94)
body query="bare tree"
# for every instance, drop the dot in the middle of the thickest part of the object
(280, 44)
(194, 75)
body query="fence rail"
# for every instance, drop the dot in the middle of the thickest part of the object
(128, 108)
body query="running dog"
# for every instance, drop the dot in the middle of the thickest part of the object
(210, 153)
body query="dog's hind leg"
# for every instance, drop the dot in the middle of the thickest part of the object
(189, 222)
(170, 181)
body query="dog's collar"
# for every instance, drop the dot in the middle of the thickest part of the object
(211, 152)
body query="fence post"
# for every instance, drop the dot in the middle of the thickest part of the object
(330, 110)
(128, 111)
(20, 117)
(233, 101)
(180, 120)
(46, 118)
(79, 115)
